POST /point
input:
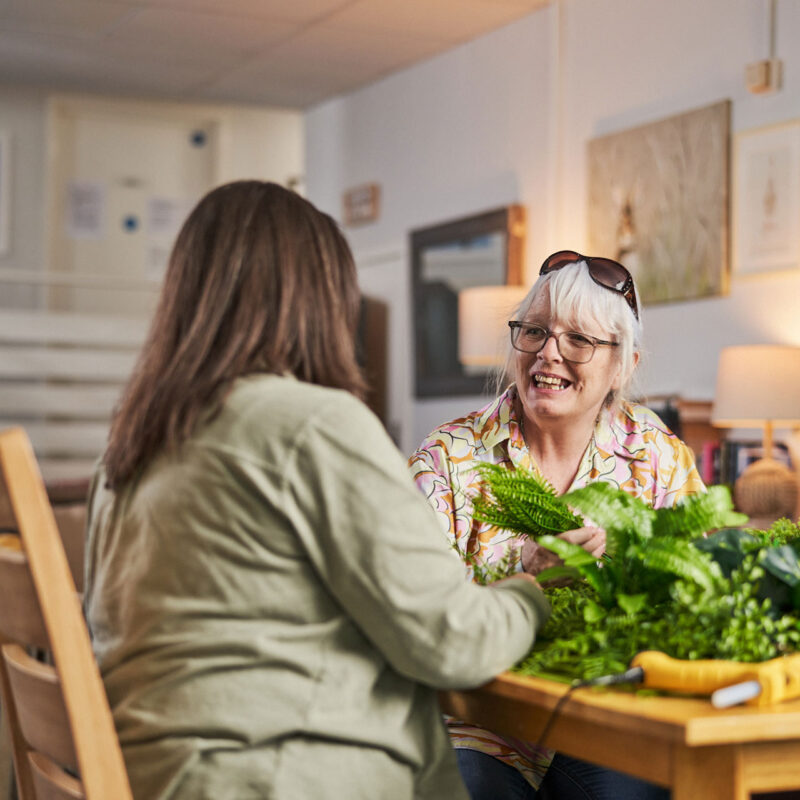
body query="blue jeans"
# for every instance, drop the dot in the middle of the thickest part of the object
(487, 778)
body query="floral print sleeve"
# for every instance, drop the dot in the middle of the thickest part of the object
(430, 469)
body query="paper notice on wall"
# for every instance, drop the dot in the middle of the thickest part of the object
(156, 258)
(165, 215)
(85, 216)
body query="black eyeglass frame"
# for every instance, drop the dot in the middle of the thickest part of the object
(519, 325)
(596, 265)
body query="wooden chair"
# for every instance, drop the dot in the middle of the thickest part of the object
(63, 738)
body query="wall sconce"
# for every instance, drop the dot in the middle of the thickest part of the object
(758, 386)
(483, 312)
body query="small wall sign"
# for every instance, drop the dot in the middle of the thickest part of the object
(361, 204)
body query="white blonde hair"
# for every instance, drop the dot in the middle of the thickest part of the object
(576, 298)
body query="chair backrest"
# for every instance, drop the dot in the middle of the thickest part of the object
(59, 715)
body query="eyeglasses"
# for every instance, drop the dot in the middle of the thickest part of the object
(603, 271)
(573, 346)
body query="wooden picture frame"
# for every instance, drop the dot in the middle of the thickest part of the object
(361, 204)
(766, 199)
(481, 250)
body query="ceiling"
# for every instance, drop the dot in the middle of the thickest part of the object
(274, 52)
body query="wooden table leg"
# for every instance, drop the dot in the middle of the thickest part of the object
(708, 772)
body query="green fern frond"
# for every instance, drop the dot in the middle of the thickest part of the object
(695, 514)
(614, 510)
(679, 558)
(521, 501)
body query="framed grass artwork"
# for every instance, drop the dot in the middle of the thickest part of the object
(658, 203)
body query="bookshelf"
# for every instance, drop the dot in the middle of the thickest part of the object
(691, 420)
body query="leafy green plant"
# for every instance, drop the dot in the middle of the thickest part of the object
(777, 556)
(731, 622)
(648, 548)
(667, 586)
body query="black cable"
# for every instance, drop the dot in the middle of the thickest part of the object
(633, 675)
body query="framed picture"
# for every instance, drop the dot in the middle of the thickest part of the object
(766, 199)
(484, 250)
(658, 203)
(5, 192)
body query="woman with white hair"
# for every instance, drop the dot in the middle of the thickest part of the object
(576, 341)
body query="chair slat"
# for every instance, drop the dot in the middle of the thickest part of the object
(23, 772)
(40, 706)
(21, 619)
(51, 782)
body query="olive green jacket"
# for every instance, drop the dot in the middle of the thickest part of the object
(273, 610)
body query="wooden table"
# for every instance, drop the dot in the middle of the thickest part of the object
(700, 752)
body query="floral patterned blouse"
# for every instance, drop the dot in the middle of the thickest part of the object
(630, 448)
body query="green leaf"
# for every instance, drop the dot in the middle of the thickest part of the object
(551, 573)
(617, 512)
(781, 581)
(592, 612)
(602, 580)
(695, 514)
(573, 555)
(783, 563)
(681, 559)
(728, 547)
(632, 603)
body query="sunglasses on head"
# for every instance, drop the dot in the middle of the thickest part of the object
(603, 271)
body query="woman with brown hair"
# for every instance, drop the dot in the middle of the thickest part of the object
(272, 606)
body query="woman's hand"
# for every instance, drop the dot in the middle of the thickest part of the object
(536, 558)
(590, 538)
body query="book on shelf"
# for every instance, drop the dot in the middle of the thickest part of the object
(723, 462)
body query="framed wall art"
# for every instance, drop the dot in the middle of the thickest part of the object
(477, 251)
(658, 203)
(766, 199)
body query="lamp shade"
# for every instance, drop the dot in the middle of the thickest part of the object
(483, 312)
(756, 385)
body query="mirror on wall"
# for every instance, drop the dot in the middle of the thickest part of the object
(478, 251)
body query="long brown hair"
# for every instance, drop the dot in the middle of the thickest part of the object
(258, 281)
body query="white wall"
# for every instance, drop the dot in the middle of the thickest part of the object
(262, 143)
(506, 118)
(22, 119)
(456, 135)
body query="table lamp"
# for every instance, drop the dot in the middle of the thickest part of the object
(483, 312)
(758, 386)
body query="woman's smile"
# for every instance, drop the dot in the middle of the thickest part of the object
(549, 382)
